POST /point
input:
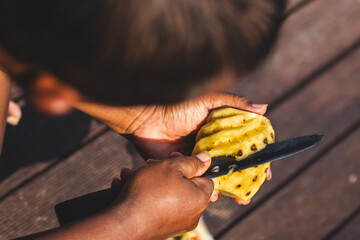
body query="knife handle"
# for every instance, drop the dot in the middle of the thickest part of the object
(86, 205)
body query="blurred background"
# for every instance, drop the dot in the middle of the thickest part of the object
(311, 82)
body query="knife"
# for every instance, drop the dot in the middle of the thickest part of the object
(89, 204)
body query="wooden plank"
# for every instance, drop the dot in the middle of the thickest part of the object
(352, 230)
(309, 39)
(38, 141)
(329, 105)
(30, 209)
(314, 203)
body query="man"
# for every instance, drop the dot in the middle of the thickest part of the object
(132, 64)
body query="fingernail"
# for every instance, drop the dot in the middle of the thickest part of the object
(214, 198)
(203, 156)
(12, 120)
(260, 106)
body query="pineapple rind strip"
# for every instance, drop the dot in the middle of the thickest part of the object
(226, 112)
(224, 123)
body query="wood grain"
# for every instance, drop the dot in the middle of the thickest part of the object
(30, 209)
(329, 105)
(38, 141)
(352, 230)
(314, 203)
(310, 38)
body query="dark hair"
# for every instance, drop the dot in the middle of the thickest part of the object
(139, 51)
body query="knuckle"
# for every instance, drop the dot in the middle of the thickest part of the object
(241, 100)
(192, 162)
(193, 226)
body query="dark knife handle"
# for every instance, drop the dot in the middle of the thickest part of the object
(86, 205)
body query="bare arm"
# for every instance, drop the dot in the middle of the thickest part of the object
(102, 226)
(4, 102)
(159, 200)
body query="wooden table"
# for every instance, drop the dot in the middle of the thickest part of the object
(312, 83)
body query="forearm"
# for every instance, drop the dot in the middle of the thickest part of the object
(123, 120)
(4, 102)
(107, 225)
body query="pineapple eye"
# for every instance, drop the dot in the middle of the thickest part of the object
(253, 147)
(255, 166)
(248, 193)
(239, 153)
(272, 135)
(238, 186)
(266, 141)
(254, 179)
(266, 170)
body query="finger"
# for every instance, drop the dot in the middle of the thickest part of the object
(242, 202)
(175, 154)
(215, 196)
(14, 115)
(268, 174)
(193, 166)
(151, 161)
(206, 186)
(219, 100)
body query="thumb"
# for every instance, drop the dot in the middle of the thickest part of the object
(194, 166)
(14, 115)
(219, 100)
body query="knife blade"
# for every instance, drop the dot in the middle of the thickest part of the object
(92, 203)
(224, 165)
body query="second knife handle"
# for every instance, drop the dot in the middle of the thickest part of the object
(86, 205)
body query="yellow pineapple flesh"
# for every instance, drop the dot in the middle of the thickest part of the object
(230, 131)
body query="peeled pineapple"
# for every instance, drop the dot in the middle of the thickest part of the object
(230, 131)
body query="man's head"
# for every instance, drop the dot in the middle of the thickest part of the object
(128, 52)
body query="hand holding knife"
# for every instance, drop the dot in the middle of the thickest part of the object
(92, 203)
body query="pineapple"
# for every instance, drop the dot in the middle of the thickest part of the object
(230, 131)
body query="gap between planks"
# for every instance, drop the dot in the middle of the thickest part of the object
(307, 80)
(54, 163)
(343, 224)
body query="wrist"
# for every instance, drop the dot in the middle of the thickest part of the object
(130, 221)
(124, 120)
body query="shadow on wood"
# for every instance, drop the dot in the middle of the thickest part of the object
(40, 138)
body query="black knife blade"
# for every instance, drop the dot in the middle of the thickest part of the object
(222, 165)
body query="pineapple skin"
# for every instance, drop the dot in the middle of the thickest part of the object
(238, 133)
